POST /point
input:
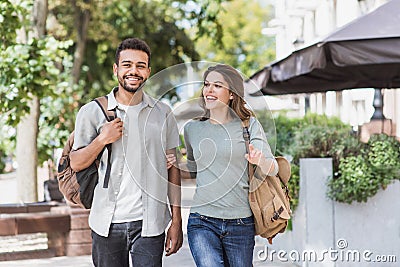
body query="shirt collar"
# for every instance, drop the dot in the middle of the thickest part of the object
(112, 102)
(148, 100)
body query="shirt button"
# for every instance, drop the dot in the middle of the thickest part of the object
(116, 193)
(120, 173)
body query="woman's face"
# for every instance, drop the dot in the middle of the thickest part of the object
(215, 91)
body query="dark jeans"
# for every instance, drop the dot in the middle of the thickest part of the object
(125, 239)
(221, 242)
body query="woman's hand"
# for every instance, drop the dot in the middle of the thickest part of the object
(256, 157)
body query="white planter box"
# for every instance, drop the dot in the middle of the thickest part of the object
(332, 234)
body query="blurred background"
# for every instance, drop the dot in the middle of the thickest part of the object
(57, 55)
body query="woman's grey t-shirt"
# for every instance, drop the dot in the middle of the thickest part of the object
(215, 152)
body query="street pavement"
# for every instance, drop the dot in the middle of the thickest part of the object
(181, 259)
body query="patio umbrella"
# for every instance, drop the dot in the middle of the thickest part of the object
(365, 53)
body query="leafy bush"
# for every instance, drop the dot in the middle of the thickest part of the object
(2, 161)
(356, 181)
(345, 146)
(361, 176)
(294, 186)
(384, 157)
(285, 133)
(311, 136)
(360, 169)
(316, 141)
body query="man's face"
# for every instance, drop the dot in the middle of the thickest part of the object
(132, 69)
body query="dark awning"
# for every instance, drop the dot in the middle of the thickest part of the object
(365, 53)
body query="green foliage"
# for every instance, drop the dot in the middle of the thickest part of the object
(294, 186)
(283, 139)
(317, 141)
(29, 69)
(53, 125)
(10, 14)
(208, 21)
(42, 67)
(7, 142)
(356, 181)
(242, 44)
(295, 136)
(267, 122)
(361, 176)
(345, 146)
(39, 67)
(161, 24)
(384, 155)
(311, 136)
(360, 169)
(285, 133)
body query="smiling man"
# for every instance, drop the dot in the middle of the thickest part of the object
(129, 215)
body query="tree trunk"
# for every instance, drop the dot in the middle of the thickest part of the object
(39, 17)
(82, 18)
(27, 130)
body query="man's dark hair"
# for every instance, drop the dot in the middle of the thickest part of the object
(135, 44)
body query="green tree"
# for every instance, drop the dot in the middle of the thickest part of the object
(96, 28)
(35, 68)
(101, 25)
(242, 44)
(30, 62)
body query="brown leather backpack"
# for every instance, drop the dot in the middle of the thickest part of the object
(78, 187)
(269, 196)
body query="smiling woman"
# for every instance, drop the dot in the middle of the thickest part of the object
(216, 94)
(220, 217)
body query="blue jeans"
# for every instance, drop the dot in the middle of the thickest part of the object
(124, 239)
(221, 242)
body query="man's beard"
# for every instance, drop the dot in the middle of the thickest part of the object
(128, 88)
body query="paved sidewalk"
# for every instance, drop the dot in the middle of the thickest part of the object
(182, 259)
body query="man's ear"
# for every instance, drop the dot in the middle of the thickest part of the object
(115, 68)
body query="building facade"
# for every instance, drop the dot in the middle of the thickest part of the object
(299, 23)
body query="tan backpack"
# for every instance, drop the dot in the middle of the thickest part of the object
(269, 196)
(78, 187)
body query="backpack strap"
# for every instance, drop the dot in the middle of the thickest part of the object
(254, 171)
(246, 137)
(102, 101)
(284, 165)
(110, 115)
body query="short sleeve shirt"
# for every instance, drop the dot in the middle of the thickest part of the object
(215, 152)
(158, 132)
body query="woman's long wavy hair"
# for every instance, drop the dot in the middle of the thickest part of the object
(236, 87)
